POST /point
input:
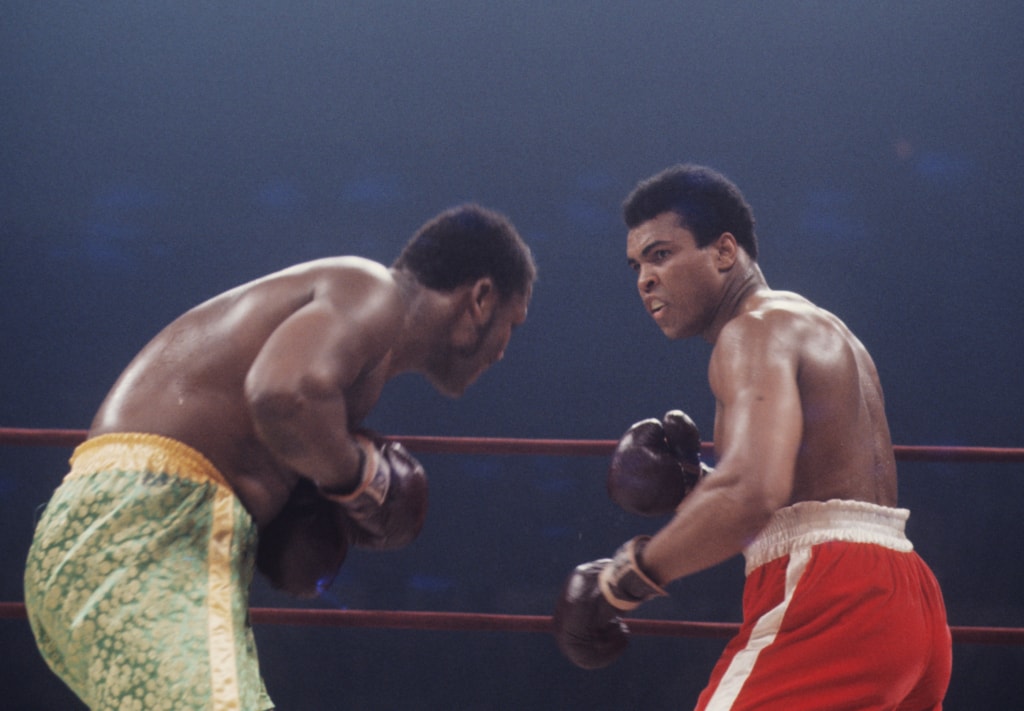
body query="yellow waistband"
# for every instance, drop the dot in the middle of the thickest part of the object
(138, 452)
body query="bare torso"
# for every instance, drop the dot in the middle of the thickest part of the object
(188, 383)
(799, 417)
(844, 448)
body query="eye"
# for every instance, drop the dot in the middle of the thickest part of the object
(660, 255)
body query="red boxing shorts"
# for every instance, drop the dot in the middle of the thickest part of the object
(839, 612)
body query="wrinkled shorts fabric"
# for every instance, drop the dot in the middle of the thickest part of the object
(839, 612)
(137, 580)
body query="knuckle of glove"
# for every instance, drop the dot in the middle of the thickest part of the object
(682, 436)
(645, 433)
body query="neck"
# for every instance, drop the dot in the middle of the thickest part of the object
(426, 327)
(741, 285)
(408, 350)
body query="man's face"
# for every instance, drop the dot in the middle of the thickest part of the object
(678, 281)
(463, 365)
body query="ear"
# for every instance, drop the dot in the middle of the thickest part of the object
(726, 251)
(484, 300)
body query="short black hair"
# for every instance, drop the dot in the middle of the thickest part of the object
(465, 243)
(706, 202)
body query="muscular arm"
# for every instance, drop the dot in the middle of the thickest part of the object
(758, 429)
(298, 383)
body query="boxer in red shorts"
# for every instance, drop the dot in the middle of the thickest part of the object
(839, 612)
(832, 625)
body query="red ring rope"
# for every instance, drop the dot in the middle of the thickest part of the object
(473, 622)
(479, 622)
(543, 447)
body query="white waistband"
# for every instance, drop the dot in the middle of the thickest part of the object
(808, 523)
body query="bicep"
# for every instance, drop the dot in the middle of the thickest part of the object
(759, 420)
(320, 349)
(307, 349)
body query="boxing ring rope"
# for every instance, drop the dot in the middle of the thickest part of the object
(478, 622)
(540, 447)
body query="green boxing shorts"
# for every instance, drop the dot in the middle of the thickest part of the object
(137, 580)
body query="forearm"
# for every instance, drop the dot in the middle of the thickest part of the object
(715, 522)
(311, 438)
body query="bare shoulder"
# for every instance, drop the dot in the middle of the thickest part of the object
(353, 267)
(253, 309)
(364, 290)
(357, 285)
(769, 321)
(780, 329)
(784, 319)
(336, 272)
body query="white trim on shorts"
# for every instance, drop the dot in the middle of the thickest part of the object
(808, 523)
(793, 531)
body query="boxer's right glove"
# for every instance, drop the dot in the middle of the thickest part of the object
(588, 617)
(389, 505)
(301, 550)
(656, 464)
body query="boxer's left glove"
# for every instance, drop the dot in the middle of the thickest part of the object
(588, 624)
(301, 550)
(389, 505)
(656, 465)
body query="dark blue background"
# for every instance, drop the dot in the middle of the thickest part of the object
(153, 154)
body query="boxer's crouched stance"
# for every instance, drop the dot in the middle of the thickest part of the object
(138, 578)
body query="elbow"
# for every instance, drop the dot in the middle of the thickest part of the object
(754, 500)
(274, 407)
(758, 509)
(275, 397)
(271, 404)
(273, 414)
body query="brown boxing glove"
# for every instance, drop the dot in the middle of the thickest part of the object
(588, 624)
(302, 549)
(655, 465)
(389, 505)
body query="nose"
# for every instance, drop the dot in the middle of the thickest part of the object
(645, 280)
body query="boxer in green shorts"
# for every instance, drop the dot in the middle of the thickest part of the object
(233, 442)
